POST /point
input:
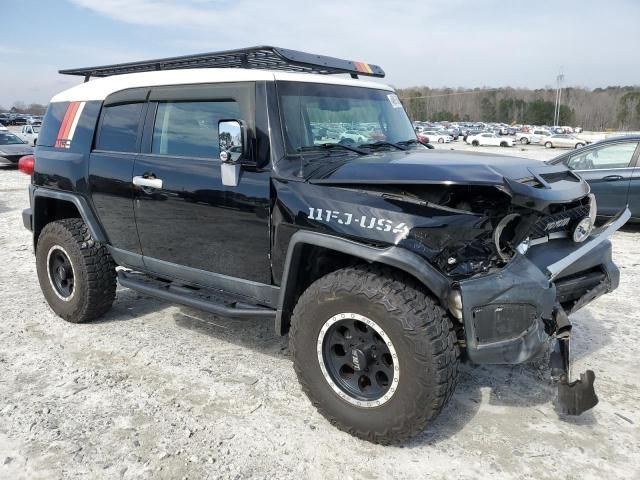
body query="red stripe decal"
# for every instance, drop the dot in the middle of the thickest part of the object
(66, 124)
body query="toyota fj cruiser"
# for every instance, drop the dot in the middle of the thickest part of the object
(245, 192)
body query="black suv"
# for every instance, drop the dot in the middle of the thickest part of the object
(244, 192)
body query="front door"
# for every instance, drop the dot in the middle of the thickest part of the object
(608, 170)
(190, 225)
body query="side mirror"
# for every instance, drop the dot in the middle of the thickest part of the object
(231, 140)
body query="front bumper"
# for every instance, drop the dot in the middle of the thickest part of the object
(505, 313)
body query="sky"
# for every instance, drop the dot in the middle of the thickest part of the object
(436, 43)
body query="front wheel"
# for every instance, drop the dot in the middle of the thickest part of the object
(374, 353)
(579, 145)
(548, 145)
(77, 275)
(441, 140)
(475, 143)
(524, 141)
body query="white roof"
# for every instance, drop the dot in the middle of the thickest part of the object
(100, 88)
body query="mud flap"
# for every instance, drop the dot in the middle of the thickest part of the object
(579, 396)
(574, 398)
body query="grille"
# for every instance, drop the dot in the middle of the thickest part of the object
(558, 222)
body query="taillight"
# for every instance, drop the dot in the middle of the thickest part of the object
(26, 164)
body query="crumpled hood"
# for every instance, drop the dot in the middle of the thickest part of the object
(433, 166)
(530, 183)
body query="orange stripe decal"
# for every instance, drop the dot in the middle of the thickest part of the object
(363, 67)
(65, 126)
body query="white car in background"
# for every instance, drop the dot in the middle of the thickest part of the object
(440, 137)
(29, 134)
(563, 140)
(482, 139)
(353, 136)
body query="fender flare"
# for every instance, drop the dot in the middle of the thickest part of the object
(396, 257)
(81, 204)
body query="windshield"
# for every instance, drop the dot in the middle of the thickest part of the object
(317, 114)
(7, 138)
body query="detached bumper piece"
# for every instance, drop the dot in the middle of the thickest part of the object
(577, 397)
(574, 398)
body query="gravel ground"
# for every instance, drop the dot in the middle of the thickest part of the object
(159, 391)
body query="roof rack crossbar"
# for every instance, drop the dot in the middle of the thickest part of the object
(262, 57)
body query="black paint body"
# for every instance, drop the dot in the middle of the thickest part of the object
(239, 239)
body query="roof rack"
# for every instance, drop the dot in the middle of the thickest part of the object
(262, 57)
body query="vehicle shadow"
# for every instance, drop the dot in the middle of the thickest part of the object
(526, 385)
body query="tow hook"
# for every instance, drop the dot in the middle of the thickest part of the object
(574, 398)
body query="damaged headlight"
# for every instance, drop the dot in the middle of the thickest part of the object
(584, 227)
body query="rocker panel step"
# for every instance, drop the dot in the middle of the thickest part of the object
(217, 303)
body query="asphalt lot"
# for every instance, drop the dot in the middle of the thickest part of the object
(160, 391)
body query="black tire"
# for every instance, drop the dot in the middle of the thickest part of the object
(524, 141)
(420, 330)
(548, 145)
(92, 271)
(441, 140)
(475, 143)
(579, 145)
(503, 144)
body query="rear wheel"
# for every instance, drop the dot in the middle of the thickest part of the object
(475, 143)
(77, 276)
(441, 140)
(578, 145)
(374, 353)
(503, 144)
(548, 145)
(524, 141)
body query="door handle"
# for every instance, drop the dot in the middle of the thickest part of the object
(147, 181)
(612, 178)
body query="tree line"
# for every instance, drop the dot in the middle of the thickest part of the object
(23, 108)
(610, 108)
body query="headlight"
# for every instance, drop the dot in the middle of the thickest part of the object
(583, 230)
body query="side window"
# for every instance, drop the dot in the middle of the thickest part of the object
(119, 128)
(609, 156)
(190, 129)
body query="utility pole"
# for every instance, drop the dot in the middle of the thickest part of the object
(556, 111)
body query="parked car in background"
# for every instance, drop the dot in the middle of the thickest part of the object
(485, 138)
(525, 138)
(29, 134)
(353, 136)
(434, 136)
(608, 167)
(563, 140)
(12, 148)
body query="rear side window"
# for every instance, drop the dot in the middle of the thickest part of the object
(190, 129)
(119, 128)
(606, 157)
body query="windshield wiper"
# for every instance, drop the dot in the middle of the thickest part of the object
(383, 143)
(329, 146)
(416, 142)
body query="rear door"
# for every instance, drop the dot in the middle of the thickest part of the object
(189, 218)
(116, 144)
(608, 169)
